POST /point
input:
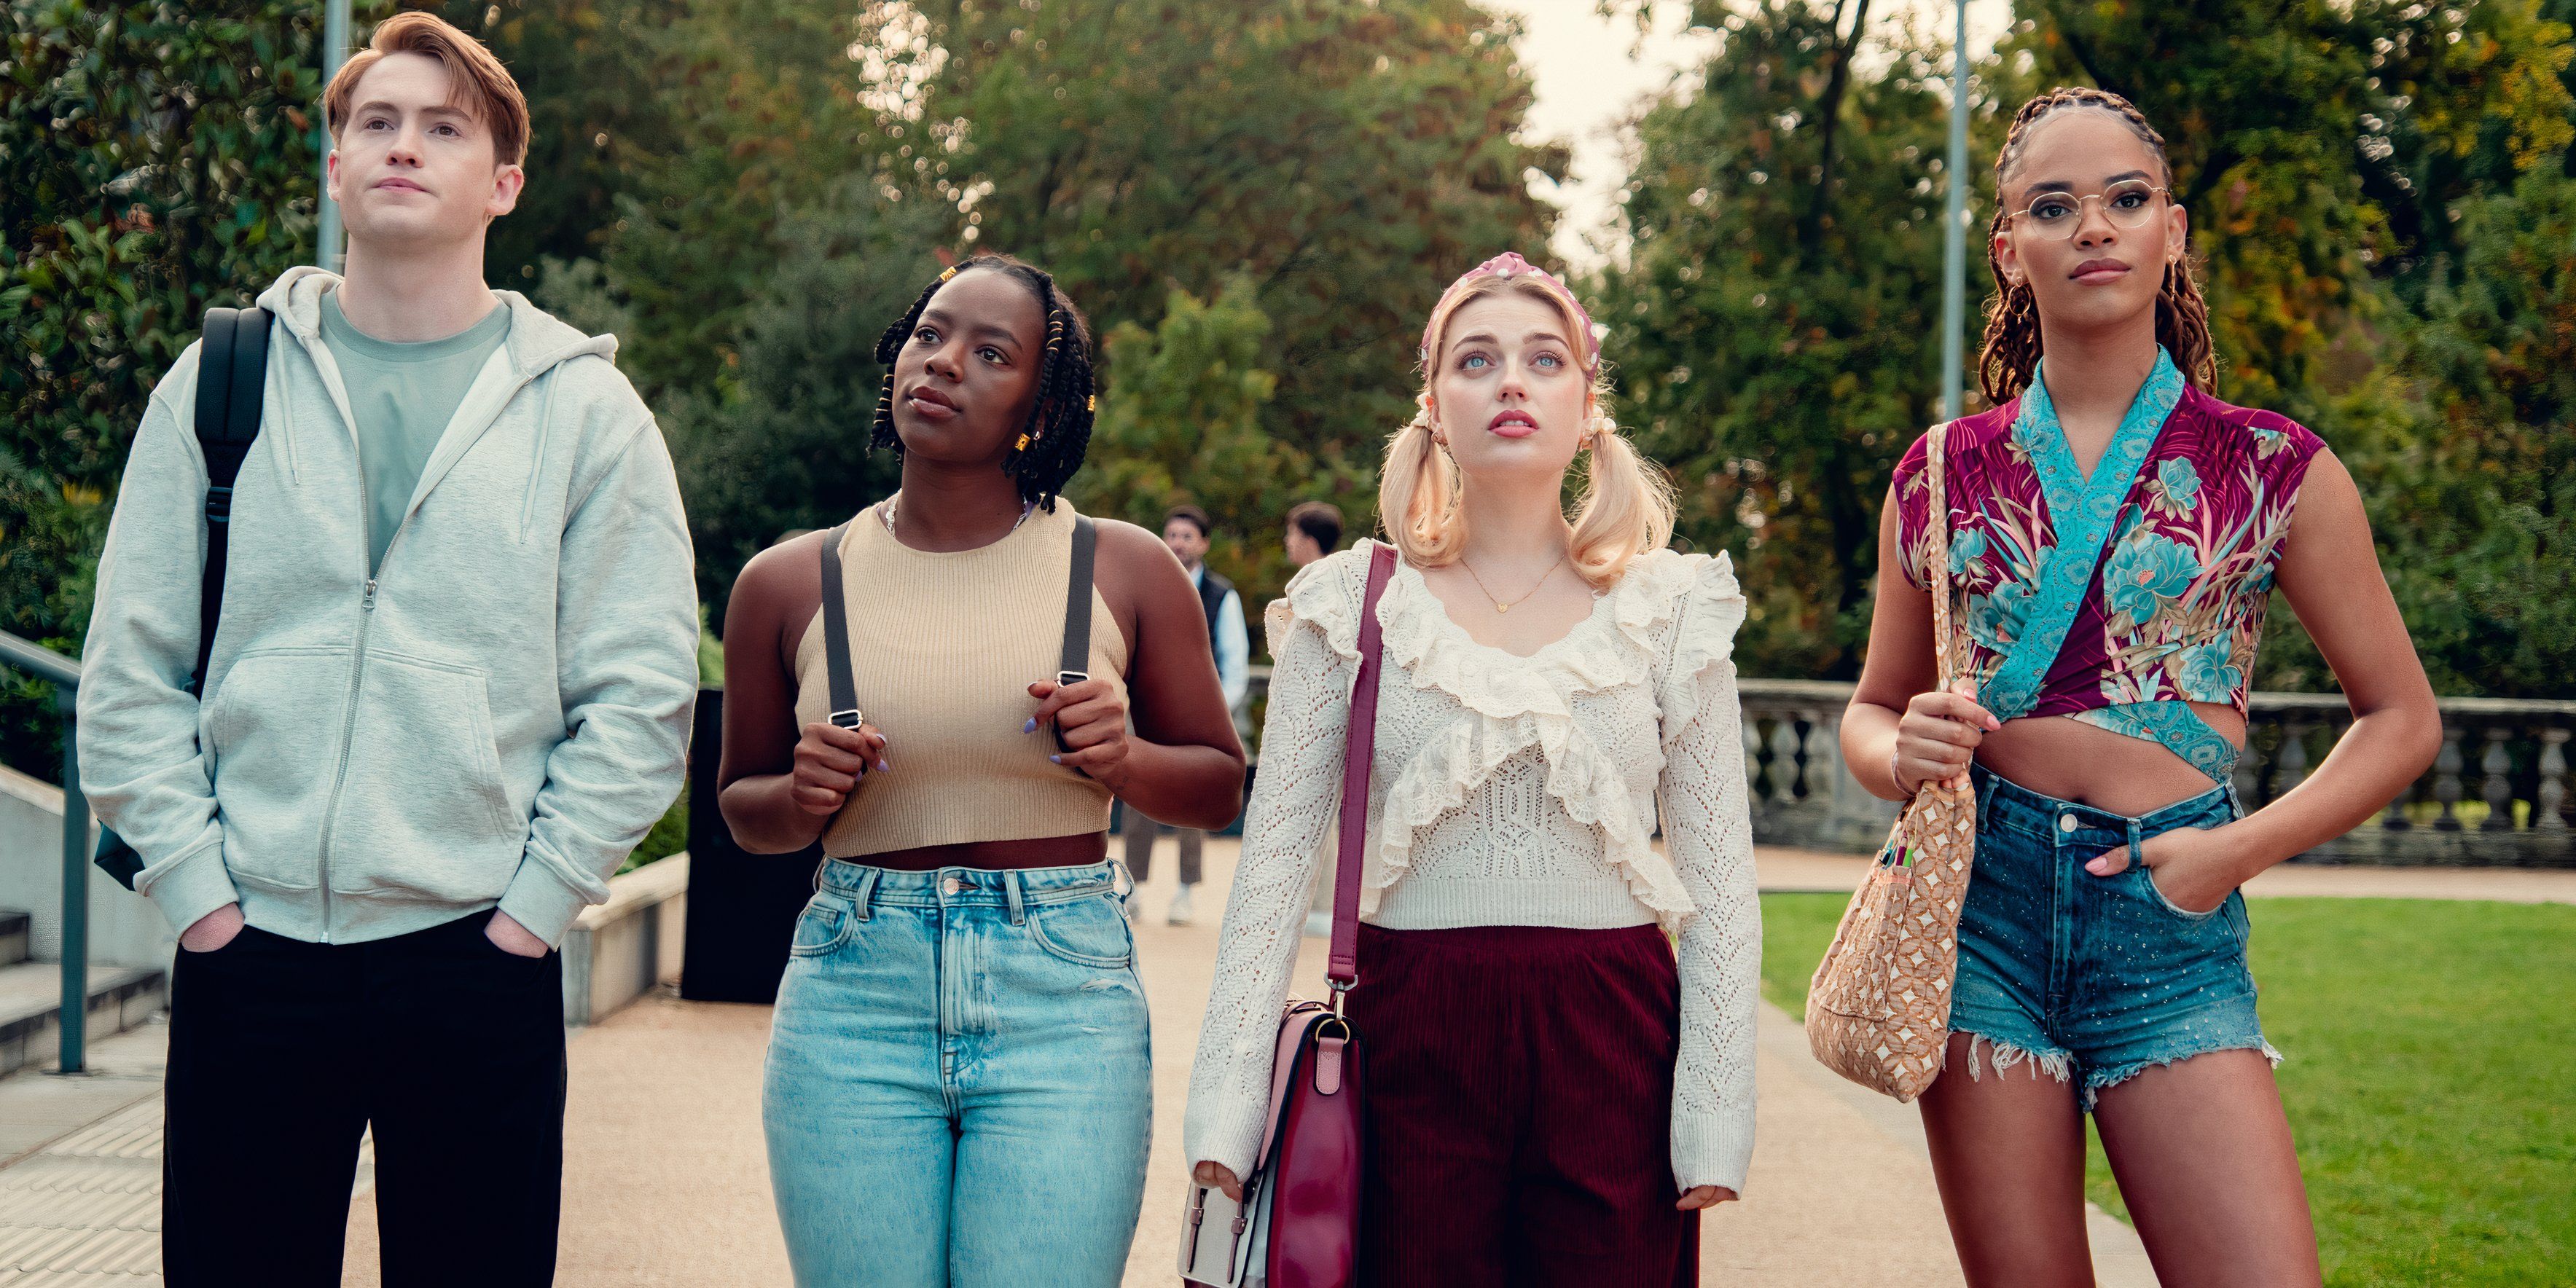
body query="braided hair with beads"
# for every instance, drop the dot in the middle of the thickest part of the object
(1050, 447)
(2011, 351)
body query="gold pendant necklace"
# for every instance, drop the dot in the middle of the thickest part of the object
(1500, 606)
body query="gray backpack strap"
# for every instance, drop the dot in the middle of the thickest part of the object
(836, 634)
(1074, 665)
(1073, 662)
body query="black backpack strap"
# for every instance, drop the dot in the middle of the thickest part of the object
(836, 634)
(232, 379)
(1074, 665)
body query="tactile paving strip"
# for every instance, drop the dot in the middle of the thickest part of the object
(86, 1210)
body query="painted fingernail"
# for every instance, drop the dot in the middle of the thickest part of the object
(1056, 759)
(884, 768)
(1031, 726)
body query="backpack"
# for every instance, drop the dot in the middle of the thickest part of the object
(232, 375)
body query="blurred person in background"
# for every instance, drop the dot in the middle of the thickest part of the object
(1314, 531)
(1187, 530)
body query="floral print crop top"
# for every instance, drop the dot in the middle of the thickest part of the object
(2173, 541)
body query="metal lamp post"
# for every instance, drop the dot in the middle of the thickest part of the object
(335, 45)
(1954, 291)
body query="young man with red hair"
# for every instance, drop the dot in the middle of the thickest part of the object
(449, 691)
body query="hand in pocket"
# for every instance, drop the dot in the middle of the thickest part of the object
(510, 937)
(214, 930)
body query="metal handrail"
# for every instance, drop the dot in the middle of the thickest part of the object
(65, 673)
(39, 661)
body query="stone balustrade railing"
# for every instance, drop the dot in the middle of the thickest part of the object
(2497, 796)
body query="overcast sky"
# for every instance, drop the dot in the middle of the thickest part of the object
(1593, 72)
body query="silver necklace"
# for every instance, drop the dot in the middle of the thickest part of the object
(886, 512)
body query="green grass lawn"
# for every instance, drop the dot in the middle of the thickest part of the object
(2431, 1077)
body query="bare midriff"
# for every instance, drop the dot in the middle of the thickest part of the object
(1038, 852)
(2063, 757)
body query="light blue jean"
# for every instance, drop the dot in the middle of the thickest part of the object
(960, 1086)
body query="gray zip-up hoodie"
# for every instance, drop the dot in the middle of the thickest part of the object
(495, 718)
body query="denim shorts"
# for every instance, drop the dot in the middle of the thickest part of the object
(2089, 979)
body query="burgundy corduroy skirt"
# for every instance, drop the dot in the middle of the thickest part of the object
(1520, 1084)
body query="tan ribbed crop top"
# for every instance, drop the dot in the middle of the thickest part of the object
(943, 648)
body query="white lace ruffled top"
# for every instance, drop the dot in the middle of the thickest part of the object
(1507, 791)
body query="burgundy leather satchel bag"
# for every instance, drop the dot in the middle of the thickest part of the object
(1301, 1205)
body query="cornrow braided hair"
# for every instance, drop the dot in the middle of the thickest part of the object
(1051, 446)
(2012, 346)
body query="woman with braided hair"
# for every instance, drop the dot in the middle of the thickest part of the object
(2115, 533)
(959, 1090)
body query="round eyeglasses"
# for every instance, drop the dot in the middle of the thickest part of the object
(2128, 204)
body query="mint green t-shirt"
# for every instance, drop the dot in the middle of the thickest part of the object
(403, 395)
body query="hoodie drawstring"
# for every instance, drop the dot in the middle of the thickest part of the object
(545, 425)
(286, 425)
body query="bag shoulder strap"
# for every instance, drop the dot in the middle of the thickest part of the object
(1945, 649)
(1359, 747)
(1074, 663)
(1073, 660)
(232, 379)
(836, 632)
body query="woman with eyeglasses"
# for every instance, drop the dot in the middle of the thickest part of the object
(2115, 535)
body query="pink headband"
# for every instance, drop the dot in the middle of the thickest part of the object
(1509, 265)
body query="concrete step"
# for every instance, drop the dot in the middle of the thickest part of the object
(14, 932)
(31, 1007)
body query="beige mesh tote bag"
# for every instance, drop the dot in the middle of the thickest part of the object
(1878, 1010)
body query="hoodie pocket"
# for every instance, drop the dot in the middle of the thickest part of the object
(273, 726)
(422, 813)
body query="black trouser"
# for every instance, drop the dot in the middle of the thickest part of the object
(282, 1053)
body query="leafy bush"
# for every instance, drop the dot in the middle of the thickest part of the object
(156, 158)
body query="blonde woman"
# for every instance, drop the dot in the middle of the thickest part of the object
(1553, 1100)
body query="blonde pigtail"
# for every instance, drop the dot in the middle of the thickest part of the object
(1626, 508)
(1418, 494)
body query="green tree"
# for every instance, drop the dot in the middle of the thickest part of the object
(2318, 146)
(155, 159)
(783, 444)
(2484, 504)
(1349, 159)
(2347, 168)
(1777, 322)
(1346, 160)
(1182, 424)
(757, 115)
(1343, 159)
(595, 116)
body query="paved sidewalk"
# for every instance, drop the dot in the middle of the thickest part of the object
(80, 1168)
(666, 1183)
